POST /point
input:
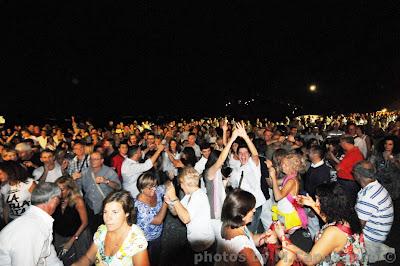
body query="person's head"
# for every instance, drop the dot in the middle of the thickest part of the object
(316, 154)
(389, 144)
(212, 159)
(173, 145)
(79, 149)
(69, 189)
(267, 134)
(205, 149)
(360, 130)
(134, 153)
(47, 157)
(133, 139)
(118, 210)
(191, 139)
(9, 154)
(46, 196)
(147, 184)
(150, 140)
(123, 148)
(292, 164)
(96, 159)
(293, 131)
(11, 171)
(243, 153)
(108, 144)
(188, 156)
(238, 209)
(189, 179)
(351, 129)
(336, 206)
(364, 172)
(347, 142)
(24, 150)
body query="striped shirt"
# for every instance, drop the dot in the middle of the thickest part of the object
(374, 205)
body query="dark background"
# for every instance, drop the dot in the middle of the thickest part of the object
(116, 59)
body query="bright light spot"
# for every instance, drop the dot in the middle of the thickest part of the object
(313, 88)
(384, 110)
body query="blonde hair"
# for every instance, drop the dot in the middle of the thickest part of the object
(296, 163)
(70, 184)
(190, 176)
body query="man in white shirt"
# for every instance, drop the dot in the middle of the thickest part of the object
(28, 239)
(193, 210)
(131, 168)
(192, 143)
(50, 171)
(205, 153)
(248, 175)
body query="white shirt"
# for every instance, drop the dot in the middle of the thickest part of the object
(27, 240)
(362, 145)
(199, 231)
(17, 197)
(52, 175)
(251, 180)
(200, 165)
(131, 170)
(230, 249)
(42, 141)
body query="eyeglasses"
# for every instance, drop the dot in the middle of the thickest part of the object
(152, 187)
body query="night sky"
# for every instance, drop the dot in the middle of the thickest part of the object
(112, 59)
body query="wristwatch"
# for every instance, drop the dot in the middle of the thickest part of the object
(76, 237)
(108, 181)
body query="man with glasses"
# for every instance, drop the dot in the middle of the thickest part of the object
(97, 182)
(28, 239)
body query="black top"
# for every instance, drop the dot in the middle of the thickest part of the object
(315, 177)
(66, 224)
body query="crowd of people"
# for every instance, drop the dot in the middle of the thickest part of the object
(312, 190)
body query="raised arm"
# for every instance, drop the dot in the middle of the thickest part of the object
(242, 133)
(222, 157)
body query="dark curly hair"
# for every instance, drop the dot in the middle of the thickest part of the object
(336, 206)
(396, 146)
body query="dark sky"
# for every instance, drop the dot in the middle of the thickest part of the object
(110, 58)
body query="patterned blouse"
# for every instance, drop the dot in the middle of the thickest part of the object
(145, 214)
(353, 253)
(134, 243)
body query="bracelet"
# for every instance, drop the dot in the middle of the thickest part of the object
(288, 249)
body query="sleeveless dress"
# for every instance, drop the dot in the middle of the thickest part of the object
(289, 212)
(134, 243)
(353, 253)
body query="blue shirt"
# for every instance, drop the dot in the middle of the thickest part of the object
(145, 215)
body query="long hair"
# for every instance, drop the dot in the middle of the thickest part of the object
(70, 184)
(336, 206)
(237, 205)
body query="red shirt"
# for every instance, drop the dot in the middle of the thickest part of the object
(345, 166)
(116, 163)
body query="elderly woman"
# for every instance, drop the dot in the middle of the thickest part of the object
(16, 190)
(118, 242)
(71, 239)
(151, 211)
(340, 241)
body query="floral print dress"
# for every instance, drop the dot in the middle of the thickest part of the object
(134, 243)
(353, 253)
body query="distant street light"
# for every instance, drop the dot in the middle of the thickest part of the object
(313, 88)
